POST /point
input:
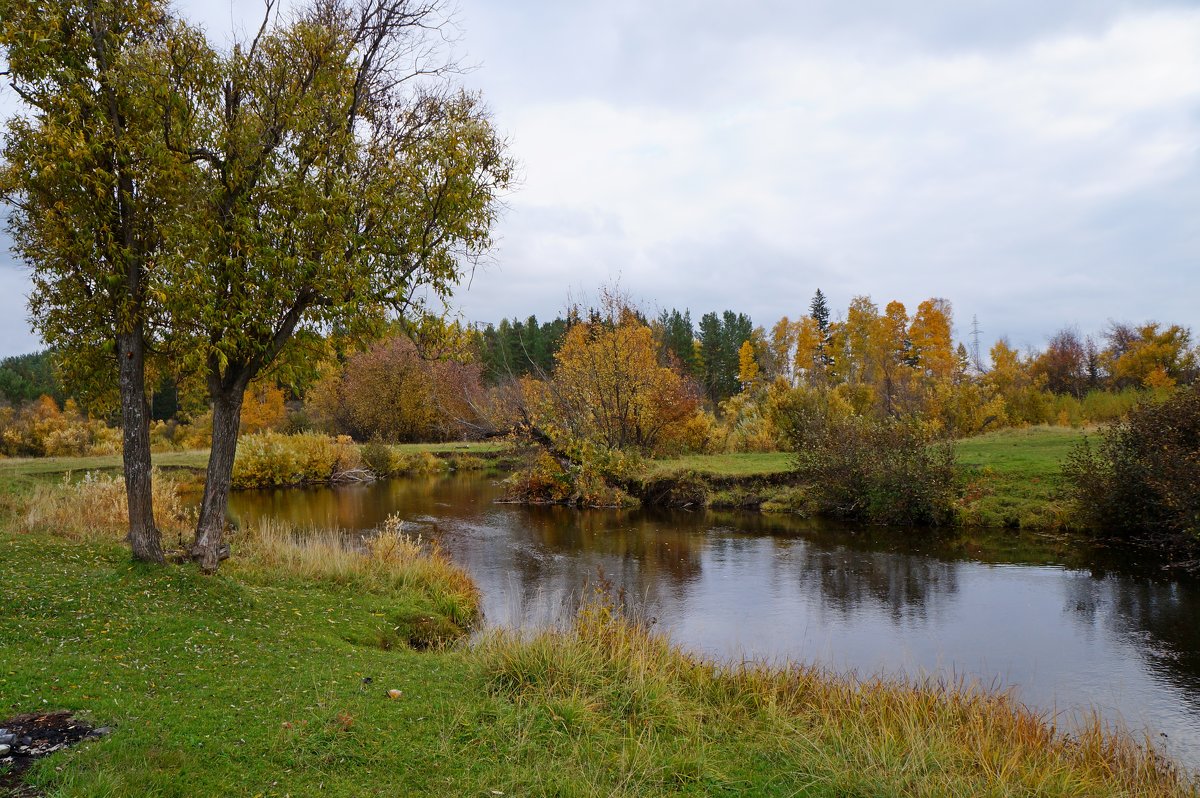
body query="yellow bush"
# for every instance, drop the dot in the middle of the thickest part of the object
(270, 459)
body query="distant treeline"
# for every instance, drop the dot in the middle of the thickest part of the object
(867, 346)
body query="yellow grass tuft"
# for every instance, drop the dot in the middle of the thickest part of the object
(94, 507)
(391, 560)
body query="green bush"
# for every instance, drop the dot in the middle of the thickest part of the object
(1142, 481)
(880, 471)
(377, 457)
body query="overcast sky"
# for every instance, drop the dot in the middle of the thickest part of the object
(1035, 163)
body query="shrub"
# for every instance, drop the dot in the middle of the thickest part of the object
(1142, 480)
(269, 459)
(377, 456)
(40, 429)
(880, 471)
(593, 480)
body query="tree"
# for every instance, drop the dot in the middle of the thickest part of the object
(24, 378)
(341, 181)
(1149, 356)
(679, 340)
(90, 189)
(721, 338)
(818, 310)
(391, 393)
(782, 348)
(747, 366)
(609, 389)
(263, 408)
(1064, 364)
(930, 333)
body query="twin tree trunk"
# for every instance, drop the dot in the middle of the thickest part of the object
(209, 547)
(144, 538)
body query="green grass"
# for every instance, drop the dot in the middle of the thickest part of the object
(21, 468)
(1011, 477)
(743, 464)
(1014, 477)
(254, 682)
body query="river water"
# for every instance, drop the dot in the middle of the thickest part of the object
(1069, 631)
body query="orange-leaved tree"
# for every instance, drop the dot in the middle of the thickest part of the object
(609, 389)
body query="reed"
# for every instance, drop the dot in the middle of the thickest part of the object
(94, 507)
(611, 678)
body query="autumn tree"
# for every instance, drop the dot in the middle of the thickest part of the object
(930, 334)
(90, 188)
(1063, 364)
(341, 181)
(390, 392)
(747, 366)
(610, 389)
(782, 348)
(1149, 356)
(263, 408)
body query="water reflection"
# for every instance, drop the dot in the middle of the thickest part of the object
(1067, 628)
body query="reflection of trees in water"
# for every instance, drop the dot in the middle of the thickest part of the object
(360, 507)
(904, 586)
(558, 554)
(1158, 617)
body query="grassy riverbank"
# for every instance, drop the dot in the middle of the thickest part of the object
(1010, 478)
(1013, 477)
(271, 679)
(23, 469)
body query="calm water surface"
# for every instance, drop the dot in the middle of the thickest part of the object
(1067, 630)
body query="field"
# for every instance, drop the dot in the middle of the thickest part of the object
(1013, 477)
(743, 464)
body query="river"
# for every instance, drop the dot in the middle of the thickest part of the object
(1067, 630)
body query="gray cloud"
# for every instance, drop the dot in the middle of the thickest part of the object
(1034, 163)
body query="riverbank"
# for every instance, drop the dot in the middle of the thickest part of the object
(249, 683)
(274, 678)
(27, 470)
(1009, 478)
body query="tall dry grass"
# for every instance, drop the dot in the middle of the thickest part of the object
(613, 679)
(94, 507)
(390, 560)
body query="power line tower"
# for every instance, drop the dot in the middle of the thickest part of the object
(976, 357)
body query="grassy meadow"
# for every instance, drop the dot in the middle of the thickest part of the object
(1012, 477)
(273, 677)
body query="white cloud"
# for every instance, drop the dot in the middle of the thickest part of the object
(901, 172)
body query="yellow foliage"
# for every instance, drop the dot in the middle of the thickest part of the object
(262, 408)
(609, 389)
(267, 459)
(747, 365)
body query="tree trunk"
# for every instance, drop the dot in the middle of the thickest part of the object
(144, 538)
(210, 548)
